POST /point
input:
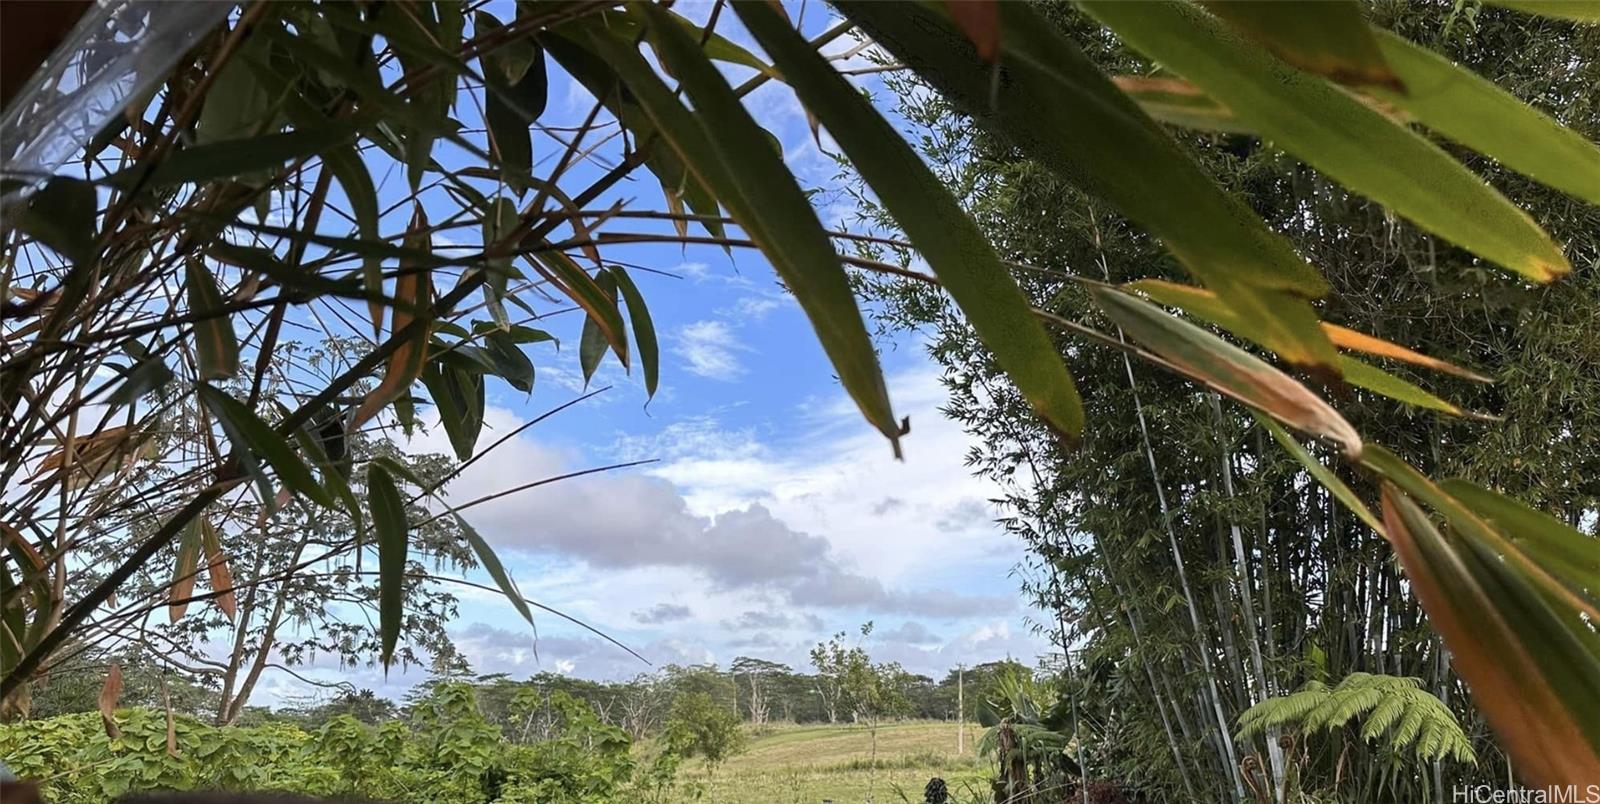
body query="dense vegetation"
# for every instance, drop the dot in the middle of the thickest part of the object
(549, 738)
(217, 326)
(1189, 567)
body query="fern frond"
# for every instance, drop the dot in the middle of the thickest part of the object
(1398, 713)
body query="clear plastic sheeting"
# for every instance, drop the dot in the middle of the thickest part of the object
(118, 52)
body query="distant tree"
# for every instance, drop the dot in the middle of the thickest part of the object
(363, 705)
(758, 675)
(699, 727)
(871, 692)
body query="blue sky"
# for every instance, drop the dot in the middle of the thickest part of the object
(774, 515)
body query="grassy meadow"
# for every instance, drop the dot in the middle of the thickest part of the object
(809, 764)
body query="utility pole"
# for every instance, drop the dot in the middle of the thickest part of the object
(961, 709)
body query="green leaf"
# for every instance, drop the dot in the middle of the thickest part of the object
(1322, 473)
(1473, 111)
(1531, 667)
(943, 233)
(389, 521)
(585, 290)
(347, 167)
(644, 330)
(1226, 368)
(1361, 148)
(61, 215)
(598, 78)
(510, 105)
(459, 395)
(716, 47)
(1571, 556)
(725, 148)
(149, 374)
(510, 363)
(497, 571)
(1177, 102)
(592, 347)
(252, 437)
(1577, 10)
(203, 163)
(215, 343)
(1061, 110)
(264, 261)
(1474, 530)
(1378, 381)
(237, 104)
(499, 221)
(1327, 37)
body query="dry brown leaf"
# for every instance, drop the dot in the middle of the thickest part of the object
(109, 693)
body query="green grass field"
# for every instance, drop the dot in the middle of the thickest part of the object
(812, 764)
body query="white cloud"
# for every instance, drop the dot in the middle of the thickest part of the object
(710, 349)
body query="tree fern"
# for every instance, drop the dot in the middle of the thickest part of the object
(1398, 713)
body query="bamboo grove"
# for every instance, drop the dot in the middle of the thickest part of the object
(1286, 586)
(154, 281)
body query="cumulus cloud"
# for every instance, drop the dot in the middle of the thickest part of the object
(910, 632)
(490, 649)
(663, 613)
(710, 349)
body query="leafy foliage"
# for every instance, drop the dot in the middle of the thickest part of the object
(254, 126)
(445, 751)
(1405, 718)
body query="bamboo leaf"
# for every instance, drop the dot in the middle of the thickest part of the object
(149, 374)
(414, 292)
(1346, 338)
(583, 289)
(943, 233)
(1227, 368)
(499, 221)
(644, 330)
(510, 364)
(184, 572)
(60, 215)
(1470, 528)
(725, 148)
(1177, 102)
(220, 576)
(592, 347)
(980, 21)
(459, 395)
(1473, 111)
(1327, 37)
(1338, 135)
(1058, 108)
(497, 571)
(215, 344)
(220, 160)
(1204, 304)
(1322, 474)
(511, 102)
(347, 167)
(1528, 671)
(264, 261)
(1378, 381)
(252, 437)
(236, 104)
(389, 521)
(1571, 556)
(110, 692)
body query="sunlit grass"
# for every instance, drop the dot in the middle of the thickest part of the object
(811, 764)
